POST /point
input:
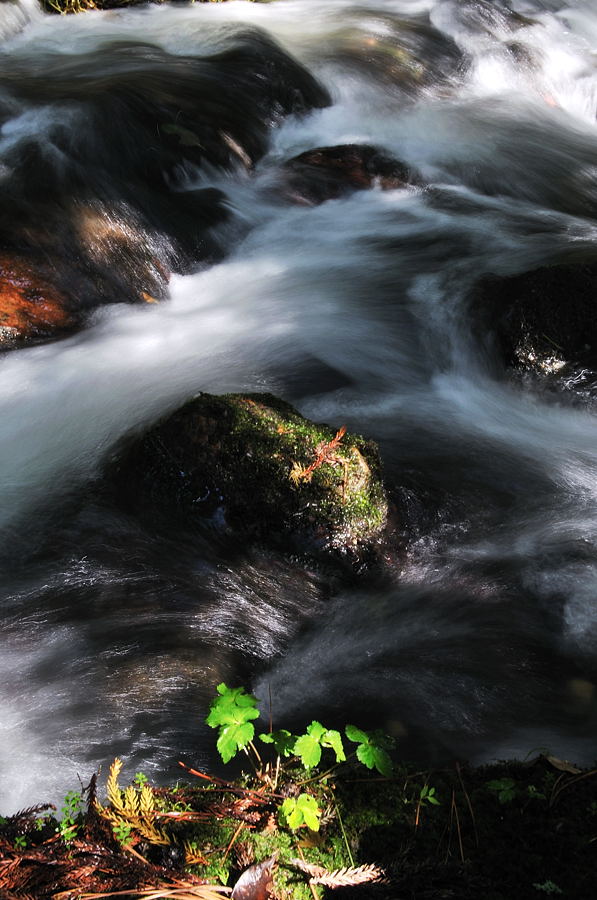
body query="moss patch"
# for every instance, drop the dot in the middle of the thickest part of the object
(253, 464)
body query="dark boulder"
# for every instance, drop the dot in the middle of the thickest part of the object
(329, 172)
(543, 315)
(251, 465)
(103, 189)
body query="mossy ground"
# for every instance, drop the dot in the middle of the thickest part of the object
(510, 831)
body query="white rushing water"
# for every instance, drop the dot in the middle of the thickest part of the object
(357, 310)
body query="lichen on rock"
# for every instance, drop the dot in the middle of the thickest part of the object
(253, 464)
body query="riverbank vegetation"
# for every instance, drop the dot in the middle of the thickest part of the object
(313, 815)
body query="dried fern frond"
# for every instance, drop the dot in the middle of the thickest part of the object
(349, 876)
(30, 812)
(193, 856)
(339, 877)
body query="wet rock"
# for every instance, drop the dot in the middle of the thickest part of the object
(31, 307)
(105, 191)
(329, 172)
(406, 54)
(252, 465)
(543, 318)
(112, 259)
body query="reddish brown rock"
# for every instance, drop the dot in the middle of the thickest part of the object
(329, 172)
(30, 306)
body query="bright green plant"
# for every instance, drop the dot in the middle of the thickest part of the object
(122, 833)
(20, 842)
(301, 810)
(308, 746)
(140, 779)
(232, 712)
(372, 749)
(427, 795)
(283, 741)
(71, 810)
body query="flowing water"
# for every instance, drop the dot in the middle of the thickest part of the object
(481, 642)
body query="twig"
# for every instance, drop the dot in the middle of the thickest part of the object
(233, 838)
(458, 826)
(300, 853)
(348, 850)
(468, 803)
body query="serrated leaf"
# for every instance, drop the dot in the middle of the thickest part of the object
(282, 740)
(232, 738)
(308, 749)
(355, 734)
(501, 784)
(310, 811)
(316, 730)
(333, 740)
(301, 810)
(374, 757)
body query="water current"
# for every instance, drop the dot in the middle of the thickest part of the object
(482, 641)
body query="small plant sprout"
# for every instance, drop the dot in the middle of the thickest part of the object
(308, 746)
(122, 833)
(282, 741)
(547, 887)
(20, 842)
(140, 779)
(427, 796)
(372, 749)
(71, 810)
(232, 711)
(302, 810)
(505, 788)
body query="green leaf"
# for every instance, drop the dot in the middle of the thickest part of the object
(333, 740)
(282, 740)
(316, 730)
(232, 738)
(355, 734)
(301, 810)
(372, 749)
(233, 706)
(308, 750)
(375, 757)
(310, 811)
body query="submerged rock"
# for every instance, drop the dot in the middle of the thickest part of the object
(543, 318)
(253, 465)
(329, 172)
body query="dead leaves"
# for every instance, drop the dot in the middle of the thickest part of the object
(256, 883)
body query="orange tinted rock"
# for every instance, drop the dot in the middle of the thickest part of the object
(30, 307)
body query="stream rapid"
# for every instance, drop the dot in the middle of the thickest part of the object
(481, 642)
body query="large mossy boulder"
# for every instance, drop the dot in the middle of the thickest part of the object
(252, 465)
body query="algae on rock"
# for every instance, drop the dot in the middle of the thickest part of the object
(252, 463)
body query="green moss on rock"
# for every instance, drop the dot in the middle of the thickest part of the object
(253, 464)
